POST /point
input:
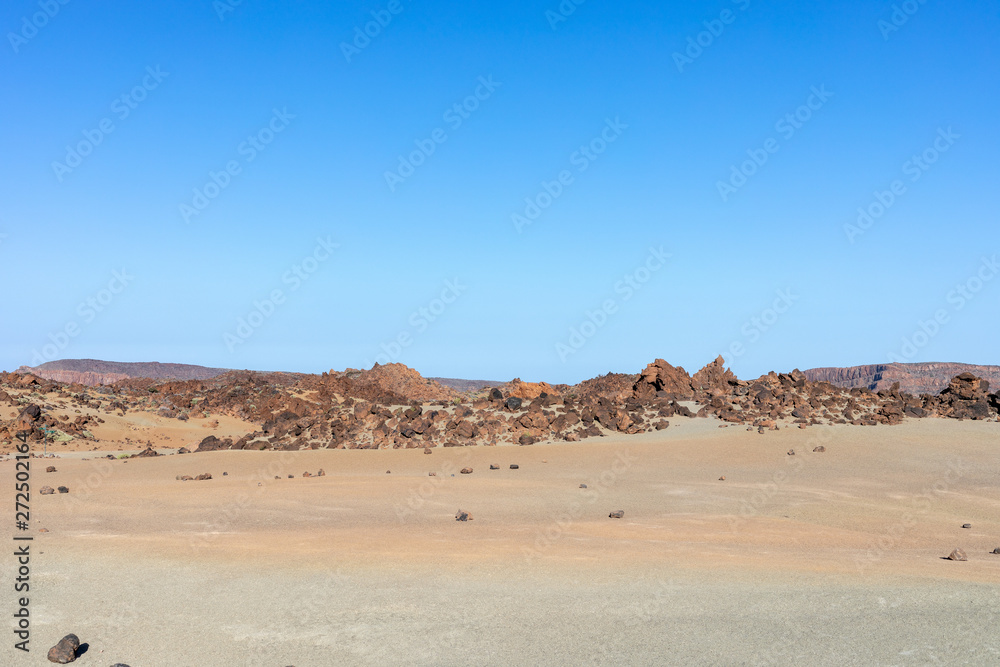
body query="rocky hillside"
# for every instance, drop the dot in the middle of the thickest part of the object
(928, 378)
(393, 406)
(93, 372)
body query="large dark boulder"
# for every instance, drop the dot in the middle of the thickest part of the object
(513, 403)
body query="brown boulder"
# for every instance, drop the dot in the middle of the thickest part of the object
(466, 471)
(957, 554)
(46, 490)
(617, 514)
(661, 376)
(65, 651)
(50, 469)
(714, 379)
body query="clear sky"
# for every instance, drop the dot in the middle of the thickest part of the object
(489, 190)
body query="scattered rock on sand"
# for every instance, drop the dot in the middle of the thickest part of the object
(428, 450)
(63, 489)
(494, 466)
(50, 469)
(966, 525)
(46, 490)
(462, 516)
(957, 554)
(203, 476)
(791, 452)
(65, 650)
(819, 449)
(307, 474)
(43, 530)
(321, 473)
(722, 479)
(183, 450)
(514, 466)
(432, 474)
(184, 478)
(617, 514)
(996, 551)
(466, 471)
(583, 486)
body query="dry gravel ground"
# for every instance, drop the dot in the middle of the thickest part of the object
(821, 559)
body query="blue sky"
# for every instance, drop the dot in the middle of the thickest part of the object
(665, 237)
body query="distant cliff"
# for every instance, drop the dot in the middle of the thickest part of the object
(93, 372)
(928, 378)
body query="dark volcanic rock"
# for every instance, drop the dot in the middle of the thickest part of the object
(617, 514)
(65, 651)
(63, 489)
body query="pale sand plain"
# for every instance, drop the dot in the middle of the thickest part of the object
(830, 558)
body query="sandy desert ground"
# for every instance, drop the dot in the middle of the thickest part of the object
(831, 558)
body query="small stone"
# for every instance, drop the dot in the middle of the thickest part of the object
(427, 450)
(494, 466)
(583, 486)
(307, 474)
(50, 469)
(321, 473)
(388, 472)
(617, 514)
(63, 489)
(462, 516)
(203, 476)
(966, 525)
(513, 466)
(432, 474)
(276, 477)
(722, 479)
(957, 554)
(65, 650)
(996, 551)
(43, 530)
(291, 477)
(791, 452)
(466, 471)
(225, 474)
(46, 490)
(819, 449)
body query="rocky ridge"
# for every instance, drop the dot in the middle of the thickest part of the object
(393, 406)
